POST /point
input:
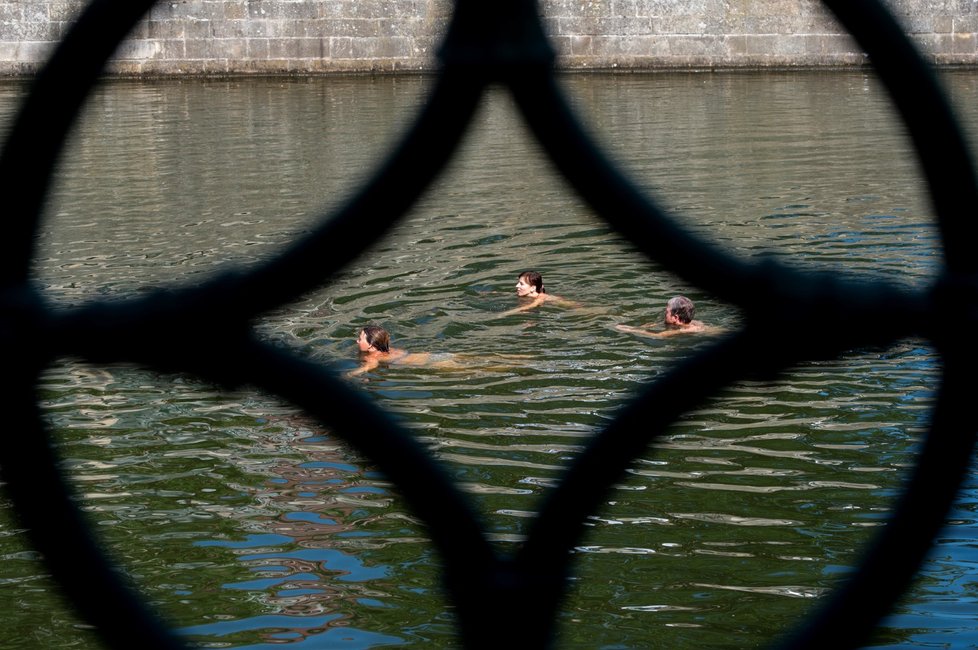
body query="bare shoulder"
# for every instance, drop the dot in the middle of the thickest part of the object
(558, 300)
(536, 302)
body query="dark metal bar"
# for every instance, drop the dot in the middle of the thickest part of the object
(488, 42)
(946, 162)
(43, 122)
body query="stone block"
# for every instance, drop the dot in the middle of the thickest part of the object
(299, 10)
(33, 51)
(679, 23)
(168, 10)
(965, 24)
(574, 25)
(341, 47)
(198, 49)
(8, 50)
(842, 44)
(139, 50)
(380, 48)
(256, 28)
(33, 24)
(933, 43)
(64, 10)
(620, 26)
(263, 9)
(229, 29)
(579, 45)
(942, 24)
(233, 49)
(964, 44)
(257, 48)
(10, 19)
(235, 10)
(691, 45)
(283, 48)
(312, 48)
(165, 29)
(173, 50)
(639, 46)
(735, 46)
(557, 8)
(760, 43)
(354, 27)
(198, 29)
(628, 9)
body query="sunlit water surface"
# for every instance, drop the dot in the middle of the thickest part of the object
(250, 526)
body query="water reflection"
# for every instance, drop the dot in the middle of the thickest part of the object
(251, 525)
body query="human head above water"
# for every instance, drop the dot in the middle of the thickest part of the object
(529, 280)
(374, 337)
(681, 309)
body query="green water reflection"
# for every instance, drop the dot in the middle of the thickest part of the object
(248, 524)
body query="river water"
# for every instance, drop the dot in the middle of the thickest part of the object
(250, 526)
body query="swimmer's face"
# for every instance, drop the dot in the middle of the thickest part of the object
(362, 342)
(523, 288)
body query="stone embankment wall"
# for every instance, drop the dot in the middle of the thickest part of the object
(318, 36)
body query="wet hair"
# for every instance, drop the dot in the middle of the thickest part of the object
(377, 337)
(682, 308)
(534, 278)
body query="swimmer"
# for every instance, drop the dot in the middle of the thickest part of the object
(529, 287)
(374, 345)
(678, 320)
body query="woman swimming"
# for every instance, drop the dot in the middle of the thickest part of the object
(374, 344)
(529, 285)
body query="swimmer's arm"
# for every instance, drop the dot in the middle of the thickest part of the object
(367, 366)
(702, 329)
(638, 331)
(536, 302)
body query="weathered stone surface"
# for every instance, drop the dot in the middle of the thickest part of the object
(319, 36)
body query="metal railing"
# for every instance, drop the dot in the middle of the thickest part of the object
(206, 329)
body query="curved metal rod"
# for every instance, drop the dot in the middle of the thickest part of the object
(472, 569)
(46, 506)
(38, 132)
(232, 358)
(574, 155)
(585, 485)
(339, 239)
(937, 137)
(616, 199)
(407, 173)
(59, 531)
(477, 579)
(29, 157)
(41, 125)
(889, 564)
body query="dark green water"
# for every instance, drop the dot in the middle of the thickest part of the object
(249, 525)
